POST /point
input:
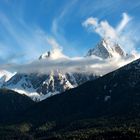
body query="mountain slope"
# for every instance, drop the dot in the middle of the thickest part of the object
(5, 76)
(115, 94)
(12, 104)
(105, 108)
(107, 48)
(40, 86)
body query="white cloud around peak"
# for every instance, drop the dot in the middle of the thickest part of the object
(117, 34)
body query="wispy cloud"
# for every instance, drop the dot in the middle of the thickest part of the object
(123, 23)
(63, 16)
(121, 34)
(19, 38)
(102, 28)
(59, 22)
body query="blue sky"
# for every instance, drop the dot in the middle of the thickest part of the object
(25, 25)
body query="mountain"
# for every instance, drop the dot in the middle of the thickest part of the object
(116, 93)
(41, 86)
(107, 107)
(12, 104)
(107, 48)
(54, 54)
(5, 76)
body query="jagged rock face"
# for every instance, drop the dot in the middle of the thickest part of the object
(46, 55)
(107, 49)
(5, 76)
(119, 50)
(39, 85)
(55, 83)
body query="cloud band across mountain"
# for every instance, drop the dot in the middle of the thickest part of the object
(82, 64)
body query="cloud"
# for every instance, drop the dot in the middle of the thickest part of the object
(54, 44)
(57, 61)
(88, 65)
(102, 28)
(62, 17)
(59, 29)
(126, 18)
(56, 51)
(18, 37)
(28, 41)
(91, 21)
(122, 34)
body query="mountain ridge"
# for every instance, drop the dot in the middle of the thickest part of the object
(41, 86)
(101, 97)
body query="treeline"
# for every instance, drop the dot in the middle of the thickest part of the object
(94, 129)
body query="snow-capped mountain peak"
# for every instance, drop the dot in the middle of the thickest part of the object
(107, 49)
(53, 55)
(45, 55)
(5, 76)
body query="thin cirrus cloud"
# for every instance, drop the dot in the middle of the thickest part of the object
(125, 20)
(23, 41)
(57, 29)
